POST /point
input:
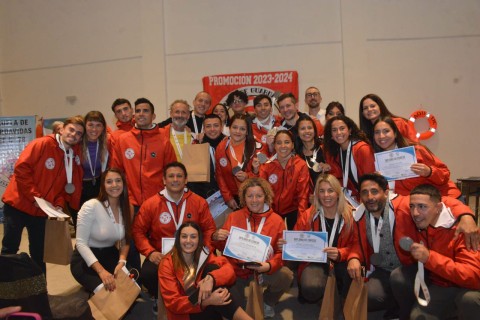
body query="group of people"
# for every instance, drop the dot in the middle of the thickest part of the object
(128, 193)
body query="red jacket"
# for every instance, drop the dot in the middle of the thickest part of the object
(403, 227)
(405, 129)
(273, 227)
(227, 182)
(155, 222)
(450, 263)
(291, 186)
(122, 127)
(440, 176)
(40, 172)
(260, 134)
(143, 154)
(364, 159)
(171, 282)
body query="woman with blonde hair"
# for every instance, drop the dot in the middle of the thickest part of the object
(330, 213)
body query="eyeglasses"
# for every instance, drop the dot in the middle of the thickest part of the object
(237, 101)
(313, 94)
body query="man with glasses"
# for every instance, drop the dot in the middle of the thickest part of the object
(237, 101)
(313, 99)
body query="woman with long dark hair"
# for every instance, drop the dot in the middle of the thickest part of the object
(348, 152)
(428, 167)
(192, 280)
(104, 224)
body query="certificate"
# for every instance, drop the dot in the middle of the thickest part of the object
(305, 246)
(395, 164)
(247, 245)
(167, 245)
(50, 210)
(216, 204)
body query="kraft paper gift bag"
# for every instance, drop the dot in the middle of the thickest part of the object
(355, 307)
(331, 300)
(106, 305)
(255, 300)
(58, 247)
(196, 158)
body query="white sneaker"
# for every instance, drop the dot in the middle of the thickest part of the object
(268, 312)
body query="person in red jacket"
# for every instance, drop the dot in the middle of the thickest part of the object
(381, 221)
(122, 109)
(371, 108)
(192, 280)
(264, 122)
(428, 167)
(233, 159)
(453, 277)
(49, 167)
(256, 197)
(160, 216)
(348, 152)
(289, 177)
(330, 213)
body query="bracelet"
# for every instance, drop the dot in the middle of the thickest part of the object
(122, 260)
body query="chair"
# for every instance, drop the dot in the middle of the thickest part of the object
(469, 187)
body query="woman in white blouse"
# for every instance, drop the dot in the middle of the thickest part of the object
(103, 234)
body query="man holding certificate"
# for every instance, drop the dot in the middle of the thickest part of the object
(255, 223)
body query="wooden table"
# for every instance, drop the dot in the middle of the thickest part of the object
(470, 187)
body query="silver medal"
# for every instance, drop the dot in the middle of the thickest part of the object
(69, 188)
(262, 158)
(236, 169)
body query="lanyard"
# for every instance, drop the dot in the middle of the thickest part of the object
(376, 232)
(177, 144)
(260, 226)
(93, 167)
(324, 227)
(267, 123)
(420, 283)
(346, 169)
(212, 156)
(182, 213)
(232, 153)
(67, 158)
(195, 127)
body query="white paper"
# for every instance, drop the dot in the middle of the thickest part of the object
(247, 245)
(49, 209)
(167, 245)
(216, 204)
(305, 246)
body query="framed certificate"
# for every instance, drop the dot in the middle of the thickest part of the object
(305, 246)
(395, 164)
(247, 245)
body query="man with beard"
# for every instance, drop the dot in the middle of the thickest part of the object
(177, 132)
(213, 126)
(313, 99)
(382, 220)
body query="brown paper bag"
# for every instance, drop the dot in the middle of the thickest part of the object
(58, 242)
(331, 300)
(255, 300)
(355, 307)
(106, 305)
(196, 158)
(162, 311)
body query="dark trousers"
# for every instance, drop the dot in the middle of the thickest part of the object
(133, 256)
(149, 277)
(291, 218)
(380, 296)
(86, 276)
(15, 222)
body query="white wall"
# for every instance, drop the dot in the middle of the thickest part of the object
(411, 53)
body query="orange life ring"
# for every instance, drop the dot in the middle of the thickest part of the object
(432, 122)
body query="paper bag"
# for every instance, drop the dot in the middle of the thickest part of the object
(58, 242)
(106, 305)
(331, 300)
(161, 310)
(355, 307)
(255, 300)
(196, 158)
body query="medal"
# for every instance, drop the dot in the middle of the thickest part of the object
(69, 188)
(376, 259)
(316, 167)
(262, 158)
(236, 169)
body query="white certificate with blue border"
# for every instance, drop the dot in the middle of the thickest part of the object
(247, 245)
(305, 246)
(395, 164)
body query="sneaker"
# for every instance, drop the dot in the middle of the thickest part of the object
(155, 307)
(268, 312)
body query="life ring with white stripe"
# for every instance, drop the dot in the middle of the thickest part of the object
(432, 122)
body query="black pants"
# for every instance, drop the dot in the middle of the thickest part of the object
(86, 276)
(15, 221)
